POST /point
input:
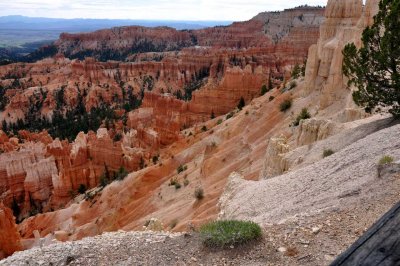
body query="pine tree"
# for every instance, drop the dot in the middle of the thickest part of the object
(374, 69)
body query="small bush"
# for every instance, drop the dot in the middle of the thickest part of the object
(156, 158)
(186, 182)
(177, 185)
(386, 160)
(219, 122)
(172, 182)
(220, 234)
(230, 115)
(292, 85)
(117, 137)
(327, 152)
(285, 105)
(82, 189)
(199, 193)
(121, 174)
(181, 168)
(264, 89)
(241, 103)
(271, 98)
(304, 114)
(204, 129)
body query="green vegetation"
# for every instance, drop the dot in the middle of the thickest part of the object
(199, 193)
(110, 176)
(386, 160)
(229, 116)
(241, 103)
(374, 68)
(292, 85)
(181, 168)
(82, 189)
(285, 105)
(155, 159)
(327, 153)
(204, 128)
(296, 71)
(220, 234)
(264, 89)
(219, 122)
(197, 80)
(117, 137)
(304, 114)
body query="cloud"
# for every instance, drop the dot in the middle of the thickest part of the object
(149, 9)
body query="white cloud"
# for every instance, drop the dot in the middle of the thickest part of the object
(149, 9)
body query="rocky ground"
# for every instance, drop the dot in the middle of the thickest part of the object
(302, 240)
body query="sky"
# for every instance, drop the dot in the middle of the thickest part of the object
(219, 10)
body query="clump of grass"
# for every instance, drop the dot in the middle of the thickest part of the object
(285, 105)
(199, 193)
(304, 114)
(220, 234)
(327, 152)
(386, 160)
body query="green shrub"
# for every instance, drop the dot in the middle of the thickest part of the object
(156, 158)
(121, 174)
(177, 185)
(220, 234)
(296, 71)
(292, 85)
(199, 193)
(264, 89)
(230, 115)
(82, 189)
(304, 114)
(204, 128)
(241, 103)
(219, 122)
(117, 137)
(186, 182)
(285, 105)
(327, 152)
(181, 168)
(386, 160)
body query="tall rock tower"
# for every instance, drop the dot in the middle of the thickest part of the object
(345, 22)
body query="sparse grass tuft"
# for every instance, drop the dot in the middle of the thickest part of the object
(327, 152)
(220, 234)
(386, 160)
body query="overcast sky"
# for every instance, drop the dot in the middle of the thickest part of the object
(233, 10)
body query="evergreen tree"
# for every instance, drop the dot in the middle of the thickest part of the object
(374, 69)
(241, 103)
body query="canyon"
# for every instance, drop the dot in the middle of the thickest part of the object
(176, 120)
